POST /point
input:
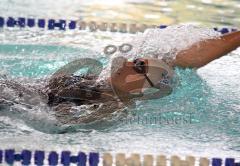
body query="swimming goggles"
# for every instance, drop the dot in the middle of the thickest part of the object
(140, 68)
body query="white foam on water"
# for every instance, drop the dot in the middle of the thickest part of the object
(163, 43)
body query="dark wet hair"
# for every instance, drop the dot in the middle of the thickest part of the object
(78, 89)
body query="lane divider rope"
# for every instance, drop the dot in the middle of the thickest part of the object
(65, 158)
(62, 24)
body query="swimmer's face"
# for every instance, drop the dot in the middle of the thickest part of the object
(128, 78)
(135, 76)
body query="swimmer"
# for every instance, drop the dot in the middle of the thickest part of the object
(128, 82)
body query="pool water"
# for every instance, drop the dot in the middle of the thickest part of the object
(209, 95)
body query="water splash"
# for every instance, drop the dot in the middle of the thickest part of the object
(163, 43)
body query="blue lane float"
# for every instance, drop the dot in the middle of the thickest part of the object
(230, 162)
(65, 158)
(30, 22)
(1, 156)
(216, 162)
(62, 24)
(93, 159)
(52, 24)
(2, 21)
(53, 158)
(41, 23)
(72, 25)
(26, 156)
(39, 157)
(9, 156)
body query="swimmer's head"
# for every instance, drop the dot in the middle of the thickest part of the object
(141, 74)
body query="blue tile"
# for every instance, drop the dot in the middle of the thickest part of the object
(65, 158)
(30, 22)
(51, 24)
(53, 158)
(1, 22)
(216, 162)
(39, 158)
(11, 22)
(41, 23)
(229, 162)
(26, 157)
(17, 157)
(82, 159)
(61, 24)
(224, 30)
(21, 22)
(74, 159)
(1, 156)
(9, 156)
(162, 26)
(72, 25)
(93, 159)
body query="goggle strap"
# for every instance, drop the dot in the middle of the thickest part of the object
(149, 81)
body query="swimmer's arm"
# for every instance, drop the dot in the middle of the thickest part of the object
(206, 51)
